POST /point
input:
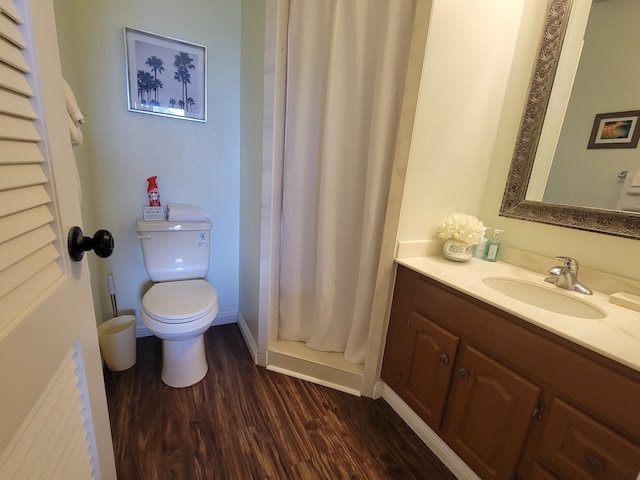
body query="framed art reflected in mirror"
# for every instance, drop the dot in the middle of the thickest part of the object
(615, 130)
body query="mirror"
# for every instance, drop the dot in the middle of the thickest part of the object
(533, 140)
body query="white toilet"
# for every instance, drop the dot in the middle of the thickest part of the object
(181, 305)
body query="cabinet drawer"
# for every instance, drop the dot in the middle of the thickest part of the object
(579, 447)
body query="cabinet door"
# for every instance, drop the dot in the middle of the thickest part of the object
(427, 367)
(581, 448)
(490, 413)
(540, 473)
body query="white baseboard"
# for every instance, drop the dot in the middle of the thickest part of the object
(225, 318)
(142, 330)
(447, 456)
(248, 338)
(221, 319)
(378, 389)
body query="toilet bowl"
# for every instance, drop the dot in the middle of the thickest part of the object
(179, 313)
(181, 306)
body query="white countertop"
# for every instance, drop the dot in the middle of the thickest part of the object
(617, 336)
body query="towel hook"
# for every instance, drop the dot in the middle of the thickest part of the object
(623, 174)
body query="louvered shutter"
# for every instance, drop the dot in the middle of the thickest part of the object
(28, 256)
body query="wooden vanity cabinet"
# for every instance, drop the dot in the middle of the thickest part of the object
(514, 402)
(538, 472)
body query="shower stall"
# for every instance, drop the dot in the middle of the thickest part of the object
(341, 83)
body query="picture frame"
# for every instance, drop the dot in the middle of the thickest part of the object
(615, 130)
(165, 76)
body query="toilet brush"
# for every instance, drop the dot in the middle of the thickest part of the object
(112, 294)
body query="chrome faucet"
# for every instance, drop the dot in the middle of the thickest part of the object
(566, 276)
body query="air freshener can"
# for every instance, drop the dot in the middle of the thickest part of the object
(153, 192)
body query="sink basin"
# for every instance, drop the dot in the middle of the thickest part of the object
(541, 296)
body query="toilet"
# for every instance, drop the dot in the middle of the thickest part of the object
(181, 306)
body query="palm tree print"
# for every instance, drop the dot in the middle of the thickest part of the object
(183, 62)
(169, 76)
(155, 64)
(145, 85)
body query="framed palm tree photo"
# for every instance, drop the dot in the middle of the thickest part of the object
(165, 76)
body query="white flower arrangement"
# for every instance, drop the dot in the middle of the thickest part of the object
(462, 227)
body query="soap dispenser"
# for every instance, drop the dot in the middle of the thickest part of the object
(493, 246)
(480, 249)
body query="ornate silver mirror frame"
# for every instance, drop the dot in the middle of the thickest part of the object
(514, 202)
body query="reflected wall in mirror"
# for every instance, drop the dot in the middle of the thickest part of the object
(554, 178)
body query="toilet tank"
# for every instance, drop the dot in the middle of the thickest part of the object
(174, 250)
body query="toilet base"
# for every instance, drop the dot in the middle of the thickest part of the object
(184, 362)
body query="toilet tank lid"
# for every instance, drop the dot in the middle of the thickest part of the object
(165, 225)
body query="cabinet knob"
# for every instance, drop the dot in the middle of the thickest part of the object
(444, 359)
(464, 373)
(595, 463)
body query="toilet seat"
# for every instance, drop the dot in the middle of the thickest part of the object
(180, 301)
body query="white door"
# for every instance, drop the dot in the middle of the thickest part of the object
(53, 411)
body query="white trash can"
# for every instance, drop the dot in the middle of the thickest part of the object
(118, 342)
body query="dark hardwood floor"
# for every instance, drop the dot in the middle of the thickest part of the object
(245, 422)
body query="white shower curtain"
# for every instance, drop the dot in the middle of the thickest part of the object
(346, 65)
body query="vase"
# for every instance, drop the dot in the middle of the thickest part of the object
(456, 250)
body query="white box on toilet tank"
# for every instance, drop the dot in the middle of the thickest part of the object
(175, 250)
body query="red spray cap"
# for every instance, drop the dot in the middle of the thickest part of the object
(153, 192)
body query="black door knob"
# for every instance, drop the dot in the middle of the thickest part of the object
(101, 243)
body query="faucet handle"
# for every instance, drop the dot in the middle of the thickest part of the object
(556, 271)
(570, 263)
